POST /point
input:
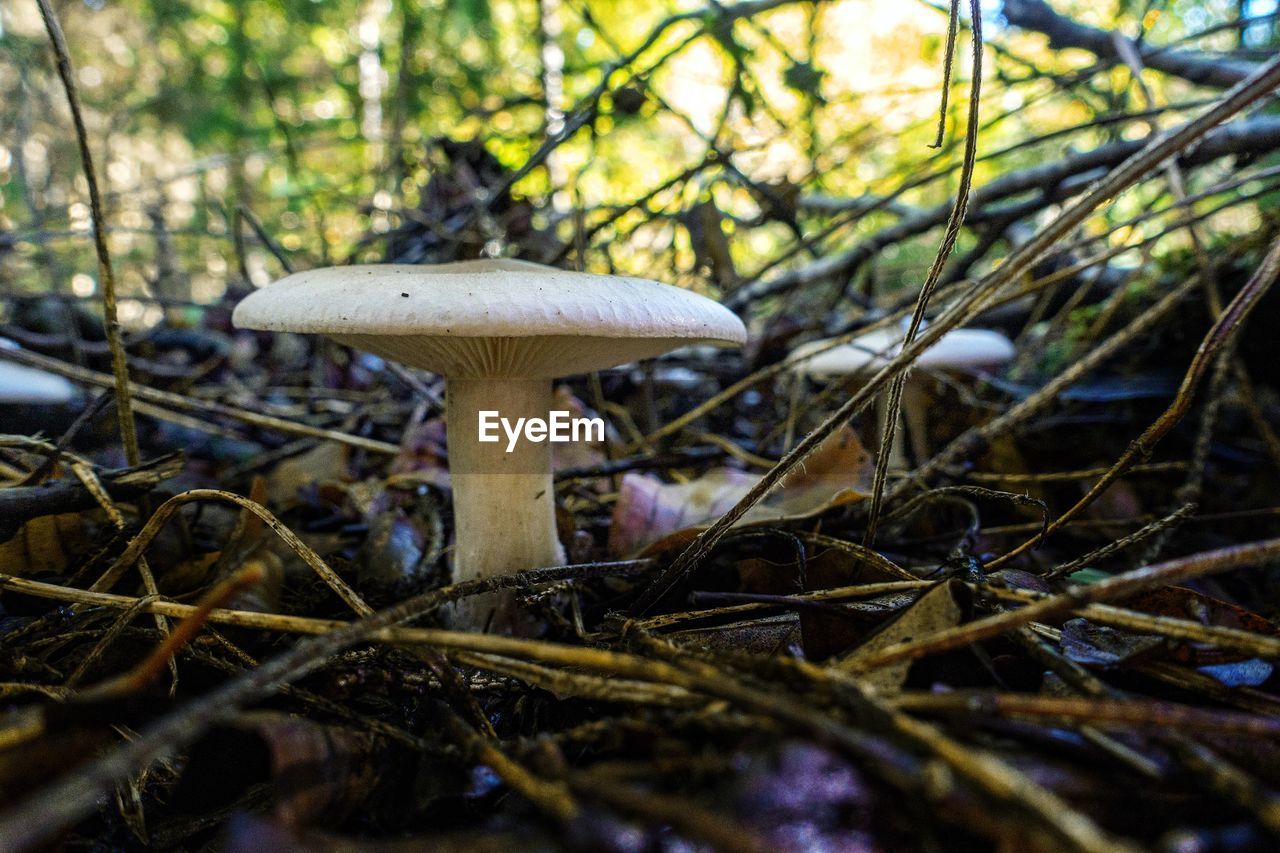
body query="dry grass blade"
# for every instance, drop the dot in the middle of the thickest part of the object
(138, 544)
(949, 237)
(119, 363)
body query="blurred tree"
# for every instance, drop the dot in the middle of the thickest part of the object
(298, 132)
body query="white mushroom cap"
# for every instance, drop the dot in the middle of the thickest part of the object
(959, 349)
(27, 385)
(846, 359)
(491, 318)
(968, 349)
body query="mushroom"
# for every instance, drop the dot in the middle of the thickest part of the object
(967, 350)
(30, 386)
(499, 331)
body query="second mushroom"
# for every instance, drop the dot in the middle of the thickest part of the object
(957, 350)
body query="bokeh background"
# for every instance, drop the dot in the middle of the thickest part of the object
(691, 143)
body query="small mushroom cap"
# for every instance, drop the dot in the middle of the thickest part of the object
(959, 349)
(491, 318)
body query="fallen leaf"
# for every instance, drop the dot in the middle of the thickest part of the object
(1183, 603)
(705, 224)
(941, 608)
(44, 544)
(1099, 645)
(838, 467)
(647, 509)
(325, 461)
(423, 454)
(826, 634)
(1246, 673)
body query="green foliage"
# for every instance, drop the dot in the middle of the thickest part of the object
(319, 118)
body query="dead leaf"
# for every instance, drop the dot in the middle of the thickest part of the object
(647, 509)
(325, 461)
(1183, 603)
(1099, 645)
(1253, 672)
(941, 608)
(705, 224)
(423, 453)
(760, 575)
(44, 544)
(840, 464)
(826, 634)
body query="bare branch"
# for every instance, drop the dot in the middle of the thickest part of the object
(1063, 32)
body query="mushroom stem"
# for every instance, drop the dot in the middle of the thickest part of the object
(503, 503)
(898, 450)
(915, 415)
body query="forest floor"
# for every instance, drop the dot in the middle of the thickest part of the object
(190, 658)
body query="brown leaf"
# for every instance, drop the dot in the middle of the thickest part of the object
(44, 544)
(325, 461)
(1183, 603)
(758, 575)
(837, 471)
(941, 608)
(826, 634)
(649, 509)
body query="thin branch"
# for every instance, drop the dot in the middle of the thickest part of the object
(119, 362)
(949, 237)
(1063, 32)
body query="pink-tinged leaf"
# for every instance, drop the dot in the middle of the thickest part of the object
(648, 509)
(423, 454)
